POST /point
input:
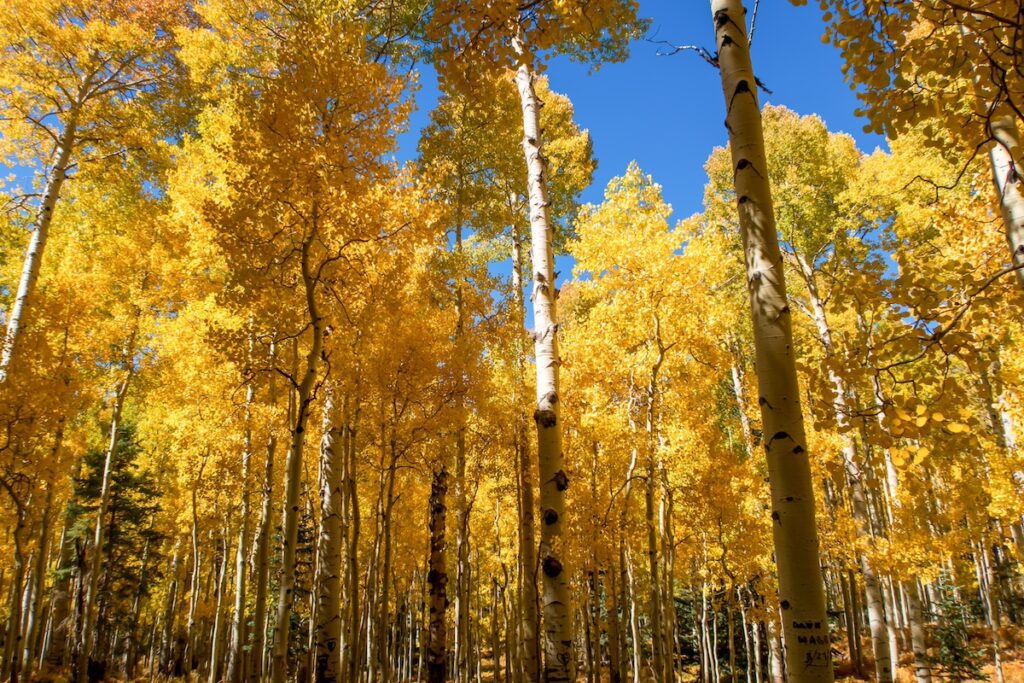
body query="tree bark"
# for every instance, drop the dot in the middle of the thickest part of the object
(293, 471)
(39, 578)
(1008, 185)
(261, 554)
(328, 629)
(9, 667)
(37, 243)
(802, 595)
(437, 578)
(236, 651)
(559, 661)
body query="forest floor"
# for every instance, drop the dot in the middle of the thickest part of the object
(1011, 638)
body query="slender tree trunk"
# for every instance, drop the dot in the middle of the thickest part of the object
(615, 645)
(167, 643)
(329, 619)
(437, 578)
(850, 618)
(802, 594)
(634, 617)
(60, 601)
(496, 599)
(39, 579)
(293, 471)
(37, 243)
(9, 667)
(386, 570)
(529, 600)
(351, 647)
(236, 649)
(261, 554)
(656, 611)
(218, 615)
(559, 661)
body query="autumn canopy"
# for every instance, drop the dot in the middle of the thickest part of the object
(278, 406)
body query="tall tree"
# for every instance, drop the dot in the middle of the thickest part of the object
(801, 589)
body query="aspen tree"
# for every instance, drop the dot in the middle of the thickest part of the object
(801, 590)
(437, 579)
(73, 83)
(558, 658)
(328, 629)
(236, 655)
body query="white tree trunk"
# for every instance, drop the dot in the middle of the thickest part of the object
(1008, 186)
(236, 653)
(559, 661)
(530, 658)
(328, 628)
(801, 590)
(37, 243)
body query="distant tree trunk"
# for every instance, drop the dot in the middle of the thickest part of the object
(350, 651)
(386, 570)
(261, 544)
(293, 472)
(530, 623)
(437, 578)
(167, 641)
(990, 598)
(217, 636)
(236, 648)
(39, 579)
(328, 630)
(9, 667)
(802, 594)
(615, 639)
(132, 650)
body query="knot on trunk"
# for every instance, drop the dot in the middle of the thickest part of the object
(437, 579)
(545, 418)
(561, 480)
(552, 567)
(549, 516)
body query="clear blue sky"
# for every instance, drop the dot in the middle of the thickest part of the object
(667, 113)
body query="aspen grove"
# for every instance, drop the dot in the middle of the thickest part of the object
(292, 387)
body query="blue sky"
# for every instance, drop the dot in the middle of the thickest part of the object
(667, 113)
